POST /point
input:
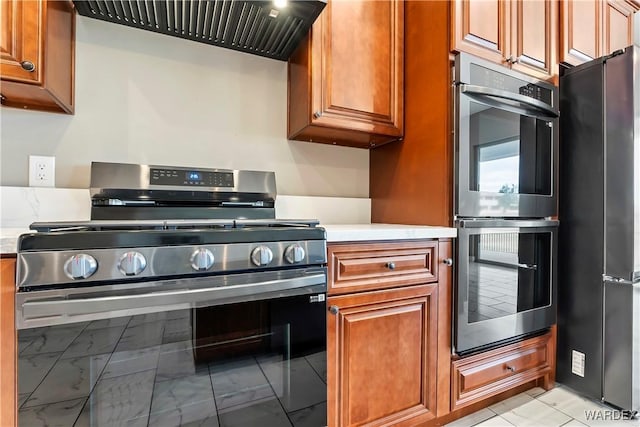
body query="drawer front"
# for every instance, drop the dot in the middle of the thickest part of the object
(362, 267)
(478, 377)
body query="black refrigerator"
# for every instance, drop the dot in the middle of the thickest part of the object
(599, 237)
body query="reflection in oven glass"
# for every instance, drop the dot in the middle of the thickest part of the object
(508, 274)
(152, 370)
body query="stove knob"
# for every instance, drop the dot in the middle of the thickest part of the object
(294, 254)
(262, 256)
(202, 260)
(80, 266)
(132, 263)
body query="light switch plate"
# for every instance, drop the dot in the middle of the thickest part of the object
(42, 171)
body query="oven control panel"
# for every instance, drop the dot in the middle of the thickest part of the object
(190, 177)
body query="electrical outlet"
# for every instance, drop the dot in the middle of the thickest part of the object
(42, 171)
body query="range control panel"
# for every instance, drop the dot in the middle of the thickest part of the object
(190, 178)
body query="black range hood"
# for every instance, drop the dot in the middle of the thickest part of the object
(256, 27)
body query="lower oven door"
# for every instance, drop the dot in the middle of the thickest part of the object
(205, 351)
(506, 283)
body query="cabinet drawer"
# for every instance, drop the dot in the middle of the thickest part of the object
(480, 376)
(361, 267)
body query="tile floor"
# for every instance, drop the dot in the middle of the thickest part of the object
(536, 407)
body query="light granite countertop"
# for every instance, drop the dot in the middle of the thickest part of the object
(373, 232)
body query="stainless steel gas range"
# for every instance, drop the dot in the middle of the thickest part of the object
(182, 301)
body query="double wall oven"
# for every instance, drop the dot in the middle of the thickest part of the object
(186, 303)
(506, 161)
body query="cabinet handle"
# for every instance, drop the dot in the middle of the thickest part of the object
(334, 309)
(515, 60)
(28, 66)
(317, 114)
(510, 368)
(390, 265)
(448, 262)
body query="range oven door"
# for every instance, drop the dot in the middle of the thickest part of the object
(197, 351)
(506, 283)
(506, 143)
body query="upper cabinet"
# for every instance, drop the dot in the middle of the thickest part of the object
(515, 33)
(593, 28)
(37, 51)
(346, 79)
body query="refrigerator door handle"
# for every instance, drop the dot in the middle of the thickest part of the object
(619, 281)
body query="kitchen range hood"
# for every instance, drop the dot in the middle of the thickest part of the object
(267, 28)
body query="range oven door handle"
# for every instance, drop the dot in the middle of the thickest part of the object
(101, 307)
(496, 98)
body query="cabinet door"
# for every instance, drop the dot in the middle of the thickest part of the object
(346, 79)
(8, 391)
(580, 30)
(617, 27)
(381, 354)
(482, 28)
(21, 36)
(534, 28)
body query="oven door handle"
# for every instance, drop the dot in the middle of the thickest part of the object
(524, 104)
(173, 299)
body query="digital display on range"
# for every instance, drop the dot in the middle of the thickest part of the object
(191, 178)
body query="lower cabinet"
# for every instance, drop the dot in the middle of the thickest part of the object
(487, 374)
(381, 354)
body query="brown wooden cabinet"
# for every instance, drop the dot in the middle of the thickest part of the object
(515, 33)
(593, 28)
(389, 333)
(478, 377)
(8, 384)
(37, 54)
(346, 79)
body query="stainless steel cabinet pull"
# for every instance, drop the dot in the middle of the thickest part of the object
(317, 114)
(448, 262)
(510, 368)
(28, 66)
(528, 266)
(334, 309)
(390, 265)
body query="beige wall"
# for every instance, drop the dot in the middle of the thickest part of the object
(143, 97)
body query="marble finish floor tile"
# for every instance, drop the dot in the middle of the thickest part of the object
(33, 369)
(94, 341)
(536, 391)
(239, 382)
(184, 400)
(177, 360)
(318, 362)
(473, 419)
(574, 423)
(297, 388)
(148, 318)
(314, 416)
(511, 403)
(265, 413)
(52, 340)
(130, 362)
(123, 400)
(70, 378)
(61, 414)
(109, 323)
(586, 411)
(140, 336)
(536, 414)
(22, 398)
(496, 421)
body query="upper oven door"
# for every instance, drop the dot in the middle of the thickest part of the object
(506, 283)
(506, 143)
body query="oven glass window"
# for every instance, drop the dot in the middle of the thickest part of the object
(248, 364)
(508, 273)
(509, 153)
